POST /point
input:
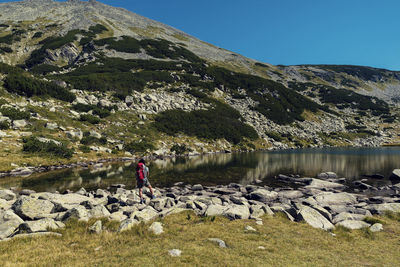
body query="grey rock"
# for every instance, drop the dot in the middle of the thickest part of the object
(257, 211)
(127, 224)
(249, 228)
(234, 212)
(215, 210)
(7, 194)
(382, 208)
(51, 125)
(42, 225)
(327, 175)
(9, 222)
(197, 187)
(312, 217)
(377, 227)
(347, 216)
(145, 215)
(98, 211)
(320, 184)
(175, 252)
(17, 124)
(290, 194)
(329, 198)
(353, 225)
(96, 228)
(79, 213)
(263, 195)
(156, 228)
(220, 242)
(31, 208)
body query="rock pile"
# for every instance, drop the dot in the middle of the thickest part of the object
(322, 204)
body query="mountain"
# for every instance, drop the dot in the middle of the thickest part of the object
(83, 80)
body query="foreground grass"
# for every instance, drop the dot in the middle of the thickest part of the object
(285, 243)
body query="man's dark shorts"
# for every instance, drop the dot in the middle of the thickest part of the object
(141, 183)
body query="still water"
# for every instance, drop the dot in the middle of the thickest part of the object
(243, 168)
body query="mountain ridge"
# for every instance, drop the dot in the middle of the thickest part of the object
(103, 81)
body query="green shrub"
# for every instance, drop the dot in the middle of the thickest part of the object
(84, 149)
(99, 111)
(37, 35)
(15, 114)
(89, 140)
(44, 69)
(90, 119)
(125, 44)
(222, 121)
(8, 69)
(137, 146)
(274, 135)
(180, 149)
(26, 86)
(33, 145)
(4, 125)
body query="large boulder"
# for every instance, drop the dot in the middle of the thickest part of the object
(215, 210)
(329, 198)
(29, 208)
(67, 201)
(348, 216)
(353, 225)
(320, 184)
(382, 208)
(9, 222)
(98, 211)
(145, 215)
(263, 195)
(79, 213)
(234, 212)
(42, 225)
(127, 224)
(312, 217)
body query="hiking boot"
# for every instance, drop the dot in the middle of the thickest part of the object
(142, 201)
(153, 197)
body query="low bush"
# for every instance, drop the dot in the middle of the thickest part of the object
(274, 135)
(84, 149)
(33, 145)
(137, 146)
(125, 44)
(27, 86)
(99, 111)
(90, 119)
(15, 114)
(89, 140)
(4, 125)
(44, 69)
(222, 121)
(37, 35)
(180, 149)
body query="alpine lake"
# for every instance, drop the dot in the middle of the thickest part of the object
(373, 164)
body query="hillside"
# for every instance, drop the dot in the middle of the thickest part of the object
(83, 80)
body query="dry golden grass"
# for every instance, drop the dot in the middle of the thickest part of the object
(285, 243)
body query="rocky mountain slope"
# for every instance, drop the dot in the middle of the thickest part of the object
(83, 80)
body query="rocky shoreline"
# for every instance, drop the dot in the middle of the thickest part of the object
(322, 203)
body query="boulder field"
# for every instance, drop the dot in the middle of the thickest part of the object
(320, 203)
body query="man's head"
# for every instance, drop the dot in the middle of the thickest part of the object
(142, 161)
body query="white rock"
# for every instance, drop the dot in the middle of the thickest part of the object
(156, 228)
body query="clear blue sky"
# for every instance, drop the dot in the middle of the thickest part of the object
(357, 32)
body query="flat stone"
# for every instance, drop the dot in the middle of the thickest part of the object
(249, 228)
(98, 211)
(329, 198)
(382, 208)
(79, 213)
(41, 225)
(145, 215)
(320, 184)
(347, 216)
(395, 174)
(215, 210)
(353, 225)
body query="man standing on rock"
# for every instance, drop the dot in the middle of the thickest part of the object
(142, 174)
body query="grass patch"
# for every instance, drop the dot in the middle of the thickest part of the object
(285, 244)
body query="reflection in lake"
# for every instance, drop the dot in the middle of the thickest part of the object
(213, 169)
